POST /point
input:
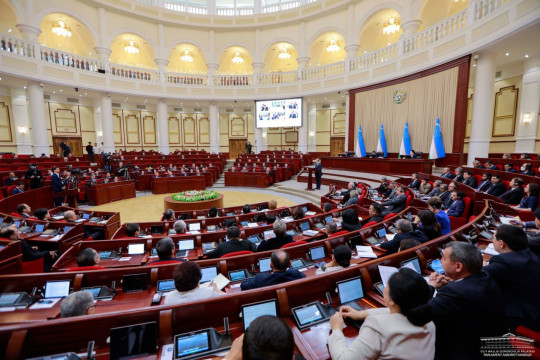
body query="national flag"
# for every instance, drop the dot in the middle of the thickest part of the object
(436, 150)
(360, 146)
(381, 144)
(405, 148)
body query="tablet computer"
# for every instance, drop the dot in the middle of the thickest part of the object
(56, 289)
(156, 229)
(350, 290)
(136, 249)
(297, 263)
(134, 282)
(252, 311)
(317, 253)
(195, 227)
(165, 285)
(412, 263)
(305, 226)
(379, 287)
(86, 216)
(67, 228)
(264, 264)
(238, 275)
(39, 228)
(311, 314)
(328, 219)
(208, 273)
(132, 341)
(191, 344)
(436, 265)
(381, 232)
(186, 245)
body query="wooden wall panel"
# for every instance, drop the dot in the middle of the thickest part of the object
(117, 129)
(189, 129)
(174, 130)
(132, 129)
(204, 130)
(5, 124)
(149, 130)
(504, 115)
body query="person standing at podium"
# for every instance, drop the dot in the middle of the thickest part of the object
(318, 173)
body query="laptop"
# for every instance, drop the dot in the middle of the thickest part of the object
(56, 289)
(165, 285)
(350, 291)
(251, 312)
(133, 341)
(305, 226)
(264, 264)
(195, 227)
(184, 246)
(208, 274)
(136, 249)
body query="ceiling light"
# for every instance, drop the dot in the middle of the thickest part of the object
(131, 47)
(237, 59)
(61, 29)
(526, 55)
(474, 65)
(25, 87)
(60, 90)
(391, 26)
(332, 46)
(9, 31)
(186, 57)
(284, 55)
(507, 54)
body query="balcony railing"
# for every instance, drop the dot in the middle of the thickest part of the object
(62, 58)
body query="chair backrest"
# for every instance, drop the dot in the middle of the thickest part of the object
(409, 200)
(388, 216)
(374, 222)
(9, 189)
(294, 243)
(243, 252)
(16, 214)
(478, 179)
(32, 267)
(466, 210)
(506, 184)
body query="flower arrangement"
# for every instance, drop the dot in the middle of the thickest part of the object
(195, 195)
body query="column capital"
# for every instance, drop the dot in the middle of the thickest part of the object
(303, 61)
(351, 50)
(410, 27)
(103, 53)
(161, 62)
(29, 32)
(257, 67)
(212, 67)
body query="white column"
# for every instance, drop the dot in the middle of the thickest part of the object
(482, 112)
(106, 118)
(528, 107)
(102, 49)
(303, 130)
(98, 121)
(347, 112)
(21, 121)
(312, 127)
(259, 140)
(214, 127)
(258, 65)
(163, 126)
(37, 116)
(303, 56)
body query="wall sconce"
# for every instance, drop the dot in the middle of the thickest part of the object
(23, 130)
(264, 135)
(311, 133)
(100, 133)
(526, 118)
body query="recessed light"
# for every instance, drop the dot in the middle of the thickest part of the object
(507, 54)
(526, 55)
(85, 94)
(9, 31)
(474, 65)
(61, 90)
(54, 92)
(25, 87)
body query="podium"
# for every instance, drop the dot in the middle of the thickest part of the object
(310, 170)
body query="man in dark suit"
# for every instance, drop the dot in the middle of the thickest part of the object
(485, 183)
(415, 183)
(404, 231)
(458, 206)
(514, 195)
(279, 263)
(280, 229)
(381, 187)
(11, 179)
(491, 166)
(398, 203)
(18, 189)
(459, 175)
(375, 214)
(318, 173)
(509, 167)
(498, 188)
(347, 194)
(447, 174)
(469, 179)
(90, 151)
(447, 196)
(516, 272)
(57, 185)
(436, 188)
(233, 245)
(465, 310)
(533, 232)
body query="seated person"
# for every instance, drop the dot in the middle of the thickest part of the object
(478, 165)
(42, 214)
(341, 259)
(11, 179)
(350, 220)
(392, 193)
(76, 304)
(246, 209)
(407, 244)
(402, 330)
(516, 270)
(88, 259)
(485, 183)
(469, 179)
(346, 193)
(279, 263)
(383, 181)
(18, 189)
(532, 229)
(457, 206)
(459, 175)
(89, 232)
(436, 188)
(168, 215)
(386, 190)
(133, 230)
(507, 156)
(426, 222)
(447, 173)
(280, 227)
(24, 211)
(327, 207)
(213, 212)
(233, 245)
(515, 193)
(272, 205)
(497, 187)
(353, 199)
(425, 186)
(509, 167)
(375, 214)
(398, 203)
(187, 277)
(445, 194)
(415, 183)
(404, 231)
(491, 166)
(526, 169)
(332, 230)
(179, 227)
(165, 250)
(435, 205)
(70, 216)
(530, 200)
(298, 213)
(270, 218)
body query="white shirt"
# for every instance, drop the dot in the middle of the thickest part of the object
(197, 294)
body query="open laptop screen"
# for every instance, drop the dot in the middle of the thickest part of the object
(350, 290)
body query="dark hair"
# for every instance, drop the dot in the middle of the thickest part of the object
(350, 217)
(187, 276)
(342, 254)
(510, 164)
(298, 213)
(233, 232)
(488, 175)
(270, 218)
(435, 202)
(165, 247)
(327, 207)
(168, 214)
(518, 181)
(467, 254)
(460, 194)
(21, 208)
(212, 212)
(87, 257)
(6, 233)
(246, 209)
(468, 172)
(20, 183)
(377, 207)
(537, 213)
(411, 293)
(280, 259)
(408, 243)
(131, 229)
(268, 338)
(496, 176)
(41, 213)
(514, 237)
(534, 189)
(230, 222)
(427, 217)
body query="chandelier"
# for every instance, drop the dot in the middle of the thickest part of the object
(131, 48)
(237, 59)
(61, 29)
(391, 26)
(332, 46)
(284, 55)
(186, 57)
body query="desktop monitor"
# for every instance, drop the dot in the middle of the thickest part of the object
(251, 312)
(56, 289)
(136, 249)
(317, 253)
(350, 290)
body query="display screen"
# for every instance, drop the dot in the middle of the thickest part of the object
(9, 298)
(39, 227)
(308, 314)
(130, 341)
(208, 273)
(86, 216)
(328, 219)
(264, 265)
(278, 113)
(135, 249)
(165, 285)
(413, 263)
(317, 253)
(350, 290)
(237, 275)
(186, 245)
(253, 311)
(305, 226)
(67, 228)
(56, 289)
(192, 344)
(381, 232)
(94, 291)
(195, 227)
(436, 265)
(297, 263)
(105, 254)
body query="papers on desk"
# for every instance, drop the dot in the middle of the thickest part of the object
(287, 219)
(58, 217)
(310, 232)
(309, 213)
(365, 252)
(490, 250)
(389, 236)
(57, 237)
(81, 220)
(386, 272)
(45, 304)
(506, 219)
(125, 258)
(252, 225)
(220, 281)
(194, 232)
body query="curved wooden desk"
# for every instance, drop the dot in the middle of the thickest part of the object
(169, 203)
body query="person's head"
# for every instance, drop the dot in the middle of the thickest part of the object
(495, 179)
(268, 338)
(489, 164)
(408, 243)
(88, 257)
(434, 203)
(331, 228)
(272, 204)
(280, 227)
(424, 181)
(42, 214)
(298, 213)
(270, 218)
(246, 209)
(23, 209)
(427, 217)
(461, 259)
(20, 185)
(327, 207)
(437, 183)
(401, 189)
(409, 293)
(458, 171)
(70, 215)
(403, 226)
(187, 276)
(486, 176)
(76, 304)
(446, 170)
(168, 214)
(457, 195)
(133, 229)
(532, 189)
(506, 156)
(509, 238)
(375, 209)
(526, 167)
(233, 232)
(516, 182)
(444, 188)
(342, 255)
(414, 176)
(349, 217)
(350, 186)
(452, 186)
(508, 166)
(165, 248)
(212, 212)
(279, 261)
(383, 180)
(467, 174)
